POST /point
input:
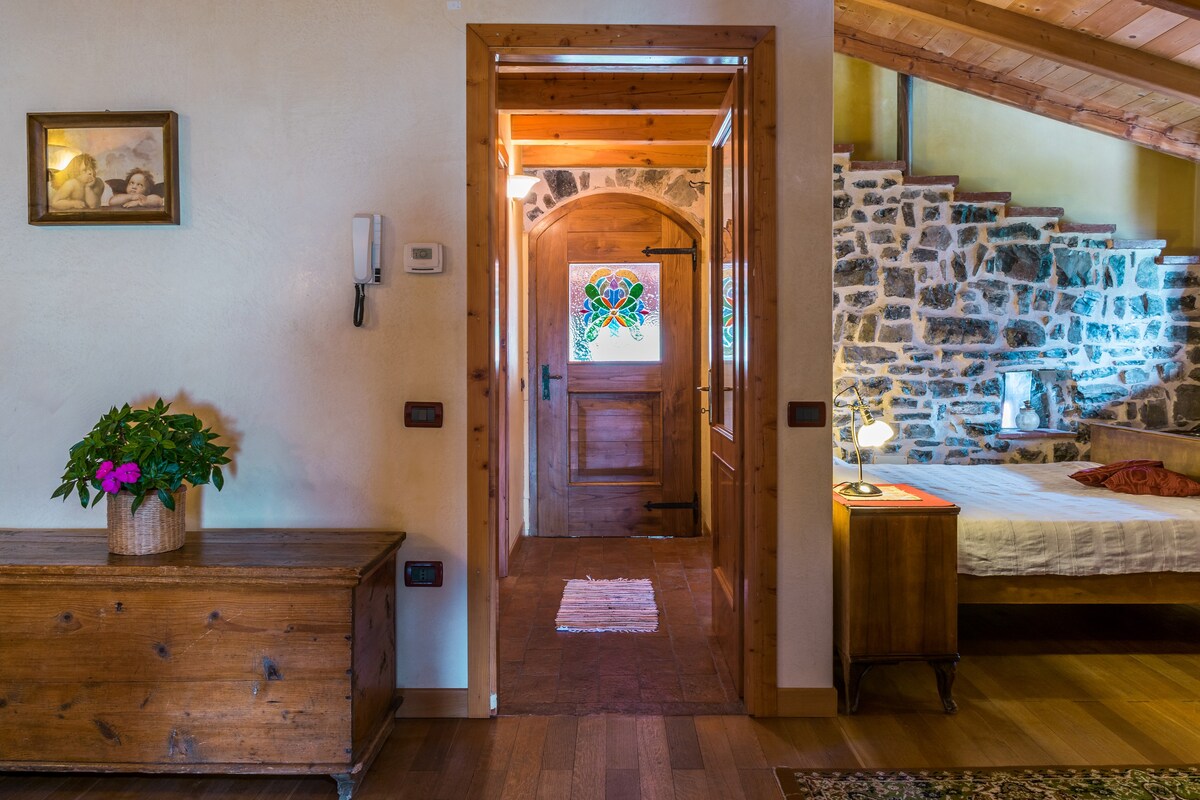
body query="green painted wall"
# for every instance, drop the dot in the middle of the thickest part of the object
(995, 148)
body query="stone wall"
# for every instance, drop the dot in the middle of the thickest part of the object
(937, 294)
(682, 189)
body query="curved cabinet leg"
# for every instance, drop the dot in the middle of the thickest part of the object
(347, 782)
(945, 670)
(853, 673)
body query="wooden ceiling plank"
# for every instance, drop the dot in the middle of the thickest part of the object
(1176, 41)
(1191, 56)
(1150, 105)
(976, 51)
(888, 24)
(947, 42)
(610, 128)
(856, 14)
(1005, 60)
(1063, 78)
(1146, 28)
(1069, 13)
(917, 33)
(1120, 96)
(1184, 8)
(1110, 18)
(610, 92)
(1181, 140)
(1092, 86)
(1035, 69)
(562, 156)
(1059, 44)
(1178, 114)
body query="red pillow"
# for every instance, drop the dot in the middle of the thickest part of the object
(1096, 476)
(1153, 480)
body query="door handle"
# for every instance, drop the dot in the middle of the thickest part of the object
(546, 378)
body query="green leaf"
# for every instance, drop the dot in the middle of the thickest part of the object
(637, 290)
(218, 479)
(96, 500)
(591, 291)
(168, 444)
(83, 495)
(137, 502)
(63, 491)
(166, 499)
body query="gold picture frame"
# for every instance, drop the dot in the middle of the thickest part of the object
(104, 168)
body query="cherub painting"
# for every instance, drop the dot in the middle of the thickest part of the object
(108, 168)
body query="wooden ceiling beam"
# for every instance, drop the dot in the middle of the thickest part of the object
(1065, 46)
(1173, 140)
(610, 129)
(603, 92)
(1184, 8)
(659, 155)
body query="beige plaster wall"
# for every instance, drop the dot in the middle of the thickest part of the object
(294, 116)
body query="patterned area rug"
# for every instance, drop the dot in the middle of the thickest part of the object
(1013, 784)
(622, 604)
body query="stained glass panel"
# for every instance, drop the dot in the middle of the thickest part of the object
(614, 312)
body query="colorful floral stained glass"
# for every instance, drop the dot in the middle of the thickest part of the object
(614, 312)
(727, 310)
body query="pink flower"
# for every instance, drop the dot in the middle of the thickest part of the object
(128, 473)
(111, 477)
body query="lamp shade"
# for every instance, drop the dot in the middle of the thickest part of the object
(519, 185)
(875, 434)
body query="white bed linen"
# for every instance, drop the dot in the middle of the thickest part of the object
(1031, 519)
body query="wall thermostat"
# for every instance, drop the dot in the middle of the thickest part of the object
(423, 257)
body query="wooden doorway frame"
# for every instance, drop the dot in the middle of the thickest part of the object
(755, 46)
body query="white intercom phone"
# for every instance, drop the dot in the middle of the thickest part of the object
(366, 234)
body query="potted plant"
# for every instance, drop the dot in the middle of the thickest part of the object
(141, 460)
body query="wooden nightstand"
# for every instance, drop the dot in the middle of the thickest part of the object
(895, 587)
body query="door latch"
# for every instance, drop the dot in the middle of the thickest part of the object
(546, 378)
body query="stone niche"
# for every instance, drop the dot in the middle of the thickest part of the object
(935, 297)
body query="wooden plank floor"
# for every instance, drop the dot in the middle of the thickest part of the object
(1036, 686)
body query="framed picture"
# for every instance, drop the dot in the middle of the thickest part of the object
(104, 168)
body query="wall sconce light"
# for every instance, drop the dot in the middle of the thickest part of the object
(872, 433)
(520, 185)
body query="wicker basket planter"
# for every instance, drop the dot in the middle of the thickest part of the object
(153, 528)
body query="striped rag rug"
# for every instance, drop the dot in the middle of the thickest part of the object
(619, 605)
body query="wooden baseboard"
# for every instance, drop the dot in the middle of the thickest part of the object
(512, 553)
(807, 702)
(450, 703)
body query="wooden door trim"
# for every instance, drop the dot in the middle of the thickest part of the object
(484, 235)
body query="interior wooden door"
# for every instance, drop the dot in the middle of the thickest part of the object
(726, 349)
(613, 371)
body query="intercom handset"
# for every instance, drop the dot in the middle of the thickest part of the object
(366, 236)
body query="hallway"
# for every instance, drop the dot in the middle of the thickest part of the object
(676, 670)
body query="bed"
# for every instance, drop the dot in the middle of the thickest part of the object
(1029, 534)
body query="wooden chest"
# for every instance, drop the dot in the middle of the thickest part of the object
(247, 651)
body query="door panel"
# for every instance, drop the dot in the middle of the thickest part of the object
(727, 558)
(615, 437)
(727, 358)
(613, 434)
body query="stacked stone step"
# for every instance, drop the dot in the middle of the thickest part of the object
(938, 292)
